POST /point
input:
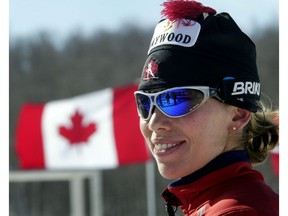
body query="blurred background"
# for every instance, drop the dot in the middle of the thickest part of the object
(60, 49)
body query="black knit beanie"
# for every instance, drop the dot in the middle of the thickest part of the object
(194, 46)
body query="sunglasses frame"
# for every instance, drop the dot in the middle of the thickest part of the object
(206, 90)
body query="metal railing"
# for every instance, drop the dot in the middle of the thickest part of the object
(76, 186)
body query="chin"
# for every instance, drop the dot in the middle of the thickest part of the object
(168, 173)
(174, 172)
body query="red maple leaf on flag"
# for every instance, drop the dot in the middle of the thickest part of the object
(77, 133)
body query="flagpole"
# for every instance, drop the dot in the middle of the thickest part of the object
(150, 188)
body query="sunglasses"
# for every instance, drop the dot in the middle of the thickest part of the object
(174, 102)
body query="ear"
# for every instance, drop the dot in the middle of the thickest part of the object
(241, 118)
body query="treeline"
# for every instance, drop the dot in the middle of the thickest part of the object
(41, 70)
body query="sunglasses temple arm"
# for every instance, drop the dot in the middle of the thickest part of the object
(214, 94)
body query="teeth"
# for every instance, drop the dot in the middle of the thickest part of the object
(162, 147)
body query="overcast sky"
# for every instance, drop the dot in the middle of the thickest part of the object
(62, 17)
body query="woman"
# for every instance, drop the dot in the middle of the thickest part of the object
(214, 127)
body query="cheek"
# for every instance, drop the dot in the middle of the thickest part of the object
(146, 133)
(144, 128)
(205, 126)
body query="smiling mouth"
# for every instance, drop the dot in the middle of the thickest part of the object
(163, 147)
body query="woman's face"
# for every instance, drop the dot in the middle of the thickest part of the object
(183, 145)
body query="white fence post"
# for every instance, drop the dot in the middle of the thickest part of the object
(96, 195)
(77, 198)
(150, 187)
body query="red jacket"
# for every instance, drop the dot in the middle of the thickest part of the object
(226, 186)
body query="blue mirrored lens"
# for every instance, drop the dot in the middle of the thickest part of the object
(174, 102)
(143, 104)
(179, 102)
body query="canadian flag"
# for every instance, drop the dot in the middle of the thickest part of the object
(95, 130)
(275, 160)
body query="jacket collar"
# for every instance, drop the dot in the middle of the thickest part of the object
(221, 161)
(224, 160)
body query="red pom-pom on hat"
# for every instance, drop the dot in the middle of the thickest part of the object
(184, 9)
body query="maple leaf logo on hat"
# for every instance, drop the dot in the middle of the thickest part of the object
(150, 71)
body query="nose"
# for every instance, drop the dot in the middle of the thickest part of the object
(158, 121)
